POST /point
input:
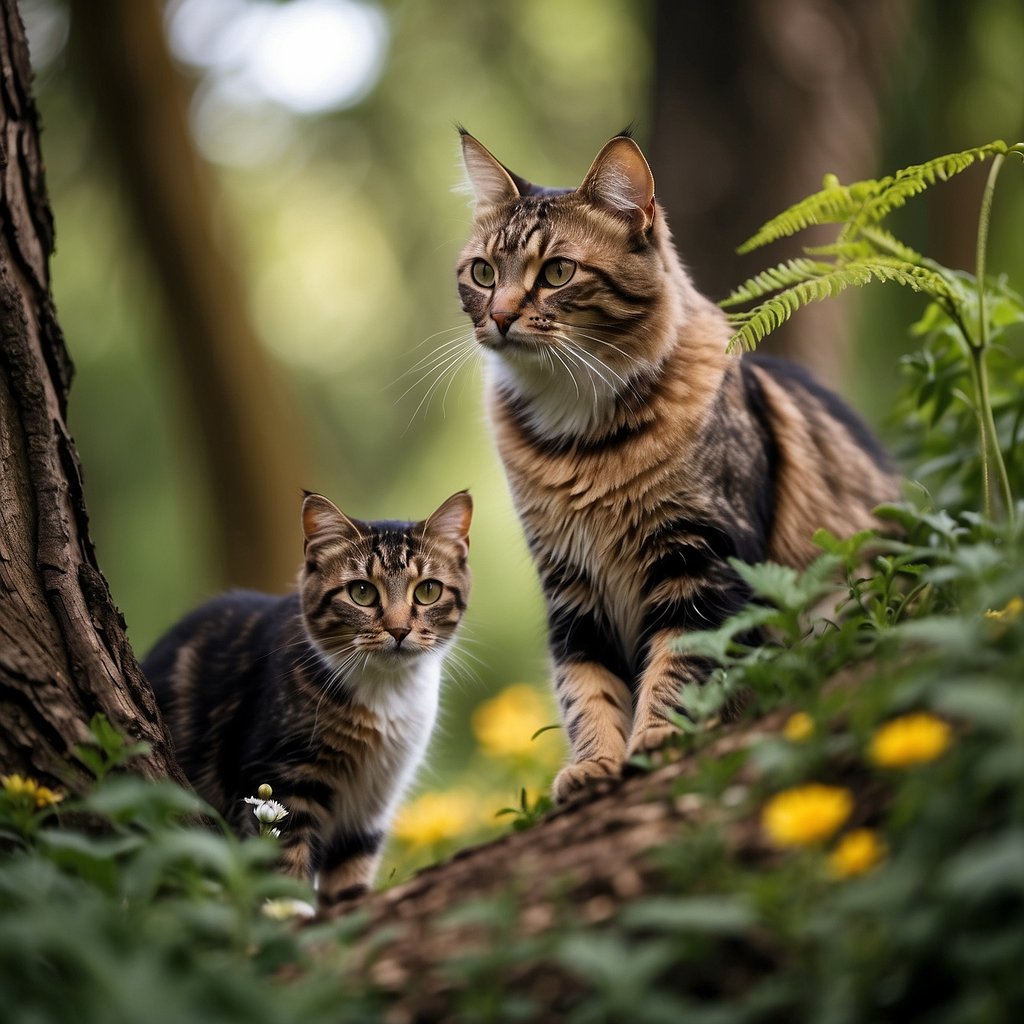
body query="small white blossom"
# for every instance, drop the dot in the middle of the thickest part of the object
(269, 811)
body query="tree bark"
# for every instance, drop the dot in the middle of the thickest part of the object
(63, 651)
(247, 443)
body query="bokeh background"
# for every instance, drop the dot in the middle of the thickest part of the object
(256, 229)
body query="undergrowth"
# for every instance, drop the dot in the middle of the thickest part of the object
(886, 882)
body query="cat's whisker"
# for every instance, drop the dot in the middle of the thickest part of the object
(442, 358)
(450, 368)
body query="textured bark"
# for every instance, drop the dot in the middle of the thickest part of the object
(753, 102)
(246, 441)
(63, 651)
(575, 870)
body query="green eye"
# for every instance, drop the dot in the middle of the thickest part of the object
(427, 592)
(483, 273)
(557, 272)
(363, 593)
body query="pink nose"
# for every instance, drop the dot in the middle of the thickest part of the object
(504, 320)
(399, 633)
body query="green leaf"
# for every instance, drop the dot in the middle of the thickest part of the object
(711, 915)
(986, 867)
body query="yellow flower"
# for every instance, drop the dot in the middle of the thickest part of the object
(504, 725)
(857, 852)
(910, 739)
(435, 817)
(806, 814)
(16, 786)
(1010, 612)
(798, 727)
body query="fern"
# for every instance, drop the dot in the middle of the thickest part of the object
(755, 324)
(785, 275)
(869, 201)
(865, 251)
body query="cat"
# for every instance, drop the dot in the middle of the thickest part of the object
(328, 694)
(639, 454)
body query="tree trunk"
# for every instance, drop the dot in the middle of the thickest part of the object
(63, 651)
(753, 102)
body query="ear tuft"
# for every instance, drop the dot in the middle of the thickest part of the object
(323, 520)
(451, 520)
(489, 180)
(620, 180)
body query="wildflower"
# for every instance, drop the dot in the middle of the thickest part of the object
(910, 739)
(1010, 612)
(857, 852)
(17, 787)
(798, 727)
(506, 724)
(807, 814)
(267, 812)
(435, 817)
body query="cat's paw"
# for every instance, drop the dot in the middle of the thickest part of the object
(576, 777)
(655, 739)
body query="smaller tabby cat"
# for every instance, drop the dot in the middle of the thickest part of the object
(329, 694)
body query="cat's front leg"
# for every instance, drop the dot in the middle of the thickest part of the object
(596, 708)
(347, 866)
(666, 672)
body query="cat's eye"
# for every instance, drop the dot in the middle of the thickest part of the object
(427, 592)
(483, 273)
(363, 593)
(557, 272)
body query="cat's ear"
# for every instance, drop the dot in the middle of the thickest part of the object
(451, 520)
(620, 180)
(323, 520)
(490, 181)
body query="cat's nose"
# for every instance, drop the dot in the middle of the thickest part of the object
(398, 632)
(504, 320)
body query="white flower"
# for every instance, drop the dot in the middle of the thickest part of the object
(268, 811)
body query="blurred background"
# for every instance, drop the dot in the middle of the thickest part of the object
(256, 230)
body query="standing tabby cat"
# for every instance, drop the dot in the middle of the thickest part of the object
(639, 454)
(328, 694)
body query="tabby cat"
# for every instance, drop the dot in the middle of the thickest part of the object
(640, 455)
(328, 694)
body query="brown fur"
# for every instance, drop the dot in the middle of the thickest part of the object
(640, 455)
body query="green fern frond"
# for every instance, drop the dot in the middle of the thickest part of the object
(893, 192)
(834, 204)
(844, 252)
(754, 325)
(785, 275)
(886, 242)
(868, 201)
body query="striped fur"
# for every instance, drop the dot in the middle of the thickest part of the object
(330, 701)
(640, 456)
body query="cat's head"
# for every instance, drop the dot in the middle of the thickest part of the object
(393, 590)
(577, 280)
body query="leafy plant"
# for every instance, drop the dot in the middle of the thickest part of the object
(974, 310)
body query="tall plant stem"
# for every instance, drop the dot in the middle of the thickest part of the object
(990, 450)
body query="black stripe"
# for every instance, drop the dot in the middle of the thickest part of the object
(344, 845)
(576, 637)
(609, 281)
(324, 603)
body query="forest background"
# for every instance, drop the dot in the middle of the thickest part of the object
(323, 131)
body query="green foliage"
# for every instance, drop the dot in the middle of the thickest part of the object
(107, 748)
(137, 915)
(976, 310)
